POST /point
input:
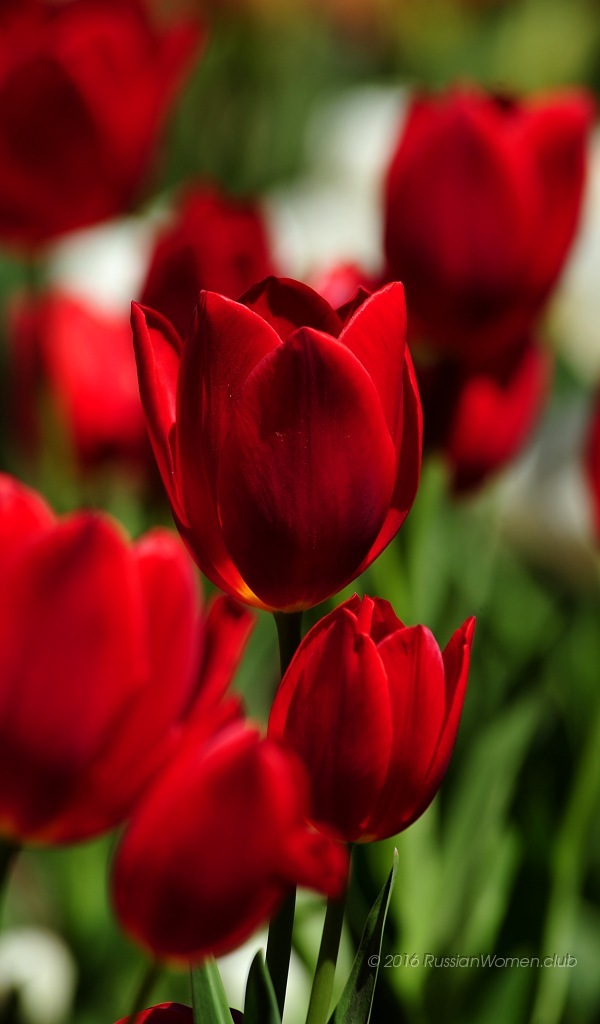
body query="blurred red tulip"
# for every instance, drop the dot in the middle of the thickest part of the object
(83, 359)
(289, 441)
(389, 704)
(216, 844)
(85, 87)
(481, 419)
(217, 243)
(103, 654)
(483, 200)
(163, 1013)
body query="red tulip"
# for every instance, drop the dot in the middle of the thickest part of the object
(85, 86)
(216, 844)
(84, 359)
(102, 656)
(288, 440)
(483, 199)
(217, 243)
(481, 419)
(163, 1013)
(389, 704)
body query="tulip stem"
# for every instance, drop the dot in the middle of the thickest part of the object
(279, 948)
(8, 854)
(289, 632)
(143, 993)
(322, 986)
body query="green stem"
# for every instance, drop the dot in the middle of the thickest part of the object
(279, 942)
(9, 851)
(289, 633)
(568, 866)
(144, 991)
(322, 987)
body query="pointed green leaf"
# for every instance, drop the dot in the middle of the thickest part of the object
(208, 995)
(260, 1006)
(356, 1001)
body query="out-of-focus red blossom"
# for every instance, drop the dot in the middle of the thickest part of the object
(85, 87)
(83, 359)
(103, 657)
(480, 419)
(288, 435)
(339, 284)
(216, 844)
(163, 1013)
(389, 704)
(591, 461)
(483, 199)
(173, 1013)
(217, 243)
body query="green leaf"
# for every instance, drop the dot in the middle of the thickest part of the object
(208, 995)
(260, 1006)
(356, 1001)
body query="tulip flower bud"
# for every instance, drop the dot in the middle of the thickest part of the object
(288, 435)
(389, 703)
(483, 200)
(103, 655)
(216, 844)
(214, 242)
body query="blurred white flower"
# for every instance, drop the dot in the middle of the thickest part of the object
(334, 213)
(575, 312)
(37, 965)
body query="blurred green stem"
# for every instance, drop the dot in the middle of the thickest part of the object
(8, 854)
(567, 874)
(322, 987)
(144, 991)
(279, 942)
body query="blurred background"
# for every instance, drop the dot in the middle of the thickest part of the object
(271, 144)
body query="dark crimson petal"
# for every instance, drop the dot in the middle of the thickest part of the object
(376, 335)
(157, 352)
(339, 672)
(227, 629)
(182, 893)
(226, 342)
(415, 671)
(287, 305)
(306, 472)
(139, 740)
(75, 593)
(409, 465)
(163, 1013)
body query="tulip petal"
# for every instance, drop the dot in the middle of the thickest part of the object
(415, 671)
(409, 465)
(23, 515)
(75, 592)
(376, 335)
(157, 351)
(306, 472)
(340, 673)
(227, 629)
(288, 305)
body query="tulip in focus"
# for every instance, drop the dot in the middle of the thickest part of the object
(103, 655)
(288, 435)
(389, 703)
(216, 844)
(83, 358)
(215, 242)
(85, 88)
(483, 200)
